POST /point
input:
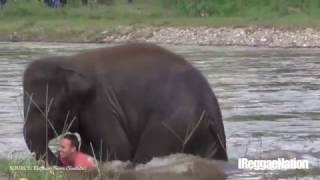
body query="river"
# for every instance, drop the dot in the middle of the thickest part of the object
(270, 98)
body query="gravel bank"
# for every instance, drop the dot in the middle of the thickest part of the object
(223, 36)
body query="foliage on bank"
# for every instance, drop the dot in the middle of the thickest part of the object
(247, 7)
(168, 8)
(29, 169)
(33, 20)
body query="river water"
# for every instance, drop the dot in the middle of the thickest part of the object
(270, 98)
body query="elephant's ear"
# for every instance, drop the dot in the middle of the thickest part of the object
(76, 83)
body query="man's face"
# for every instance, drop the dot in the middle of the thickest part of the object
(66, 149)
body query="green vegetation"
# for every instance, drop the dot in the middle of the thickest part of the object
(31, 19)
(247, 8)
(121, 9)
(22, 169)
(29, 169)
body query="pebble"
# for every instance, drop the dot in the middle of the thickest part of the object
(222, 36)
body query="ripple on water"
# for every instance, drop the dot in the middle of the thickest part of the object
(269, 97)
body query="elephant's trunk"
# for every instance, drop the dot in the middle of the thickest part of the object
(37, 134)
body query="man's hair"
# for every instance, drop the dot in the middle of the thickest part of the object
(74, 140)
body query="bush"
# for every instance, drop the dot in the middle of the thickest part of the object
(106, 2)
(196, 7)
(240, 7)
(23, 8)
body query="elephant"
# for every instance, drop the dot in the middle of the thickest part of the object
(128, 102)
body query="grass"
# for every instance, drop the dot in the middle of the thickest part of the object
(22, 168)
(29, 169)
(76, 23)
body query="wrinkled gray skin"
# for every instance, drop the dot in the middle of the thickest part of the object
(132, 102)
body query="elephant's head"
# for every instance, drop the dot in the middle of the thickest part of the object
(53, 93)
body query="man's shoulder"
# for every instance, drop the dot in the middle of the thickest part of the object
(83, 159)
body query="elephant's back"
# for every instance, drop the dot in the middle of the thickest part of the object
(121, 56)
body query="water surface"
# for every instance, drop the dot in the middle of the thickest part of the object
(269, 97)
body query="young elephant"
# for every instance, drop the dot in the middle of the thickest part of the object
(129, 102)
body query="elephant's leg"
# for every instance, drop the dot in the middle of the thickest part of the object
(100, 126)
(100, 151)
(158, 139)
(206, 144)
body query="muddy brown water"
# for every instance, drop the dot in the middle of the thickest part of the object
(270, 99)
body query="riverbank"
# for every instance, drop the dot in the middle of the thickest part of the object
(285, 24)
(252, 36)
(99, 32)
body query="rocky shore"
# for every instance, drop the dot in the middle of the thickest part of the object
(252, 36)
(222, 36)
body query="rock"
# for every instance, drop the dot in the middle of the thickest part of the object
(14, 37)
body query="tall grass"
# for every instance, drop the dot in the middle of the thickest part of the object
(24, 166)
(29, 169)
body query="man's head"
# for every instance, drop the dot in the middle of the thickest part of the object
(68, 145)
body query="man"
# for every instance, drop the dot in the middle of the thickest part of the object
(2, 2)
(71, 156)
